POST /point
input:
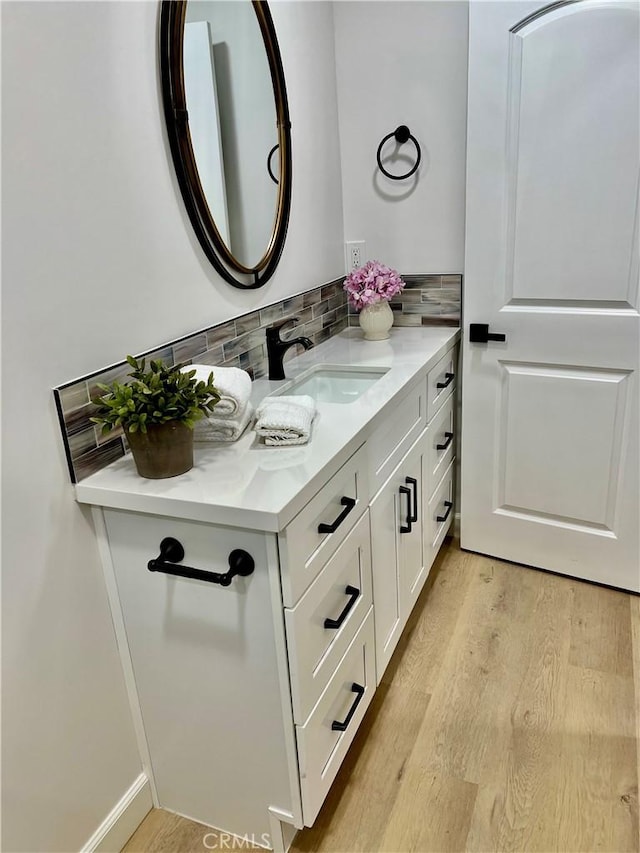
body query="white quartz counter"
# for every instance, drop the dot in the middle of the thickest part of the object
(246, 484)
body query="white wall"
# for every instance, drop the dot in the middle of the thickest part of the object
(404, 63)
(99, 260)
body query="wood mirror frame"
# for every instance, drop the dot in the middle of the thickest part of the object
(172, 21)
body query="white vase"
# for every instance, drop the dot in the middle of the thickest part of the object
(376, 320)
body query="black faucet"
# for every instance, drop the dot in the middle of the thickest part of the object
(276, 348)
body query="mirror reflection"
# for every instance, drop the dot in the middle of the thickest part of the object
(232, 122)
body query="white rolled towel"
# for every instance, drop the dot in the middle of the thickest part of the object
(223, 429)
(233, 384)
(284, 421)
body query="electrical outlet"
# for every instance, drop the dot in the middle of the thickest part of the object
(354, 255)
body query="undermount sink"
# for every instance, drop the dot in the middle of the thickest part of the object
(329, 383)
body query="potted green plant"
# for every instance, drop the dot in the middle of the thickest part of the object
(157, 409)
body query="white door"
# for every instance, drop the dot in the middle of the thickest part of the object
(550, 465)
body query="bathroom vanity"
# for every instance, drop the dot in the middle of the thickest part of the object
(247, 696)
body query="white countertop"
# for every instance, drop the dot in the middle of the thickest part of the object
(246, 484)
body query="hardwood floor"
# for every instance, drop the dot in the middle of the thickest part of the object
(508, 720)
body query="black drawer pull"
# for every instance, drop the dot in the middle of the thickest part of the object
(336, 623)
(414, 485)
(448, 505)
(449, 439)
(348, 504)
(336, 725)
(171, 552)
(449, 377)
(406, 528)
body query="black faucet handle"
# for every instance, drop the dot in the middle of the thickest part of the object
(274, 331)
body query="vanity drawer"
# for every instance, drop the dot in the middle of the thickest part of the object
(342, 593)
(394, 436)
(441, 380)
(441, 440)
(313, 535)
(441, 510)
(321, 748)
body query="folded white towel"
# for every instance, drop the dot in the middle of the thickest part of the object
(222, 429)
(284, 421)
(233, 384)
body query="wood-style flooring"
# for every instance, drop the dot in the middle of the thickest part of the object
(508, 720)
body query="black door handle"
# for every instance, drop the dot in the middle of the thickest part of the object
(336, 725)
(336, 623)
(449, 439)
(406, 528)
(414, 485)
(448, 505)
(479, 334)
(348, 504)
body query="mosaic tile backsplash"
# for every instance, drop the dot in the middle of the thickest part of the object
(427, 300)
(321, 312)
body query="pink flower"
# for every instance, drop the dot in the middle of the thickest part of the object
(372, 283)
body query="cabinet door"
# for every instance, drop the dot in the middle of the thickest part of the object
(397, 551)
(206, 671)
(412, 568)
(384, 512)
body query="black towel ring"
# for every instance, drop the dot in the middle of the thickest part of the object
(269, 156)
(402, 134)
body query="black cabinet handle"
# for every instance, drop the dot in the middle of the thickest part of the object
(348, 504)
(336, 725)
(336, 623)
(479, 334)
(171, 552)
(406, 528)
(414, 486)
(448, 377)
(449, 439)
(448, 505)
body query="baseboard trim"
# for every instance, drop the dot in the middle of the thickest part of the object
(456, 526)
(123, 819)
(283, 831)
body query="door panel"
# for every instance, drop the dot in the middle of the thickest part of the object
(550, 425)
(566, 466)
(570, 139)
(398, 551)
(412, 565)
(384, 513)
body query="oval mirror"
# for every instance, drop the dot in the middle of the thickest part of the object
(227, 117)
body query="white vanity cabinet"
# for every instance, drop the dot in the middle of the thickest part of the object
(248, 706)
(248, 696)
